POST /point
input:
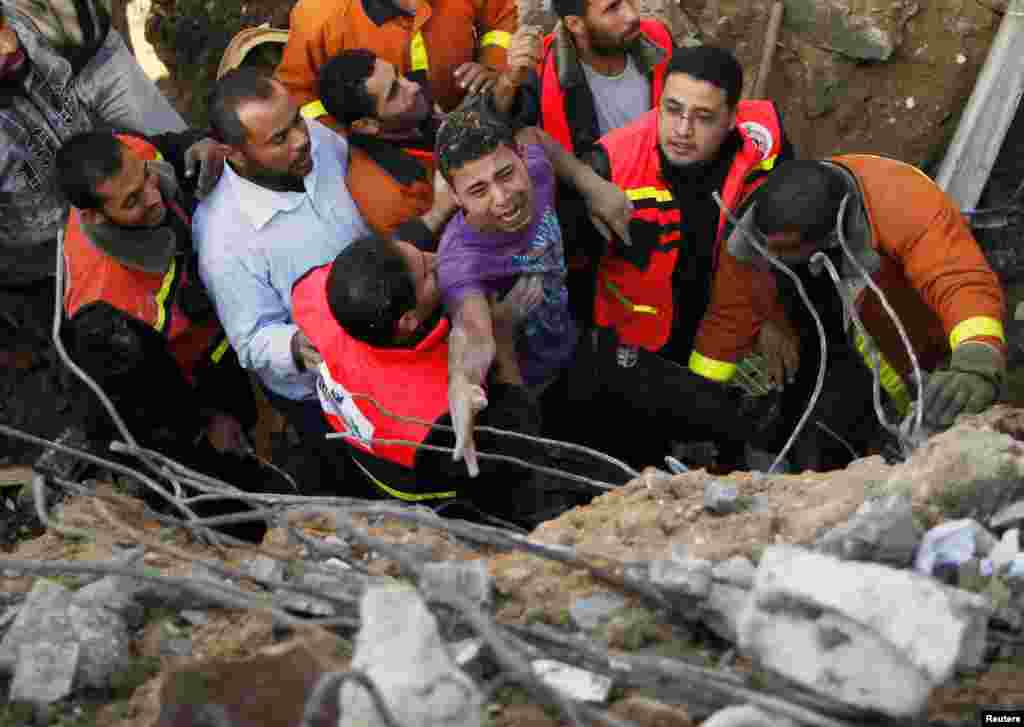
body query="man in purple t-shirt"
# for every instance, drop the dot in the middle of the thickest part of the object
(506, 227)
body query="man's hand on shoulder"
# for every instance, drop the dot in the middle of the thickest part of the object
(208, 157)
(307, 358)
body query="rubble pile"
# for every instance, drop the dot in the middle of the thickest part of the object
(840, 598)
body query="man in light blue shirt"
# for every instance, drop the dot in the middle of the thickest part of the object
(280, 209)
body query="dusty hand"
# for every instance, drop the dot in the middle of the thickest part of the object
(225, 433)
(208, 156)
(780, 346)
(474, 77)
(508, 313)
(525, 51)
(307, 358)
(610, 210)
(465, 401)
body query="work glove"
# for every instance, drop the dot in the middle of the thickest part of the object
(972, 383)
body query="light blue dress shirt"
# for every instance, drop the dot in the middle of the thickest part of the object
(255, 243)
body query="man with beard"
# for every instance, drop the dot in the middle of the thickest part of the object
(919, 251)
(281, 208)
(139, 321)
(674, 297)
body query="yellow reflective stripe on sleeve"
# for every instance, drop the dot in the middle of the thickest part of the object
(222, 348)
(975, 327)
(768, 164)
(658, 195)
(418, 60)
(161, 296)
(888, 377)
(159, 157)
(644, 309)
(313, 110)
(499, 38)
(709, 368)
(407, 496)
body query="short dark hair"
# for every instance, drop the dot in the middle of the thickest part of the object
(343, 85)
(232, 90)
(800, 195)
(84, 162)
(466, 136)
(564, 8)
(369, 288)
(717, 66)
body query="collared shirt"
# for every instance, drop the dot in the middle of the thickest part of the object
(255, 243)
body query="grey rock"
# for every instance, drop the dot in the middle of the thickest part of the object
(1010, 516)
(116, 593)
(176, 647)
(400, 650)
(104, 639)
(331, 582)
(679, 552)
(7, 617)
(1007, 549)
(194, 618)
(882, 531)
(720, 497)
(591, 612)
(467, 578)
(868, 635)
(746, 715)
(721, 611)
(738, 571)
(43, 617)
(857, 36)
(45, 672)
(264, 568)
(690, 579)
(572, 682)
(1009, 618)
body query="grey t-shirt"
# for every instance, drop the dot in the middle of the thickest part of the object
(618, 99)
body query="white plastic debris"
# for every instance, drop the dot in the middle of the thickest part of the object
(573, 682)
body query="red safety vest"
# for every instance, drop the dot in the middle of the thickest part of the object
(553, 103)
(364, 385)
(95, 276)
(637, 303)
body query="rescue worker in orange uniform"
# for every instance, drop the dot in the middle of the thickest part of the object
(375, 315)
(138, 318)
(909, 236)
(450, 47)
(675, 294)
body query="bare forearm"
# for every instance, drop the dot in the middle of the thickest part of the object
(471, 346)
(568, 168)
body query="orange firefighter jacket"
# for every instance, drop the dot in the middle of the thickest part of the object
(427, 47)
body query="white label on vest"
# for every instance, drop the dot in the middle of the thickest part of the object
(760, 135)
(337, 401)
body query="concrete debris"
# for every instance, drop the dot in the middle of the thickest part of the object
(194, 618)
(45, 672)
(264, 567)
(400, 650)
(737, 571)
(722, 609)
(1006, 550)
(721, 498)
(1010, 516)
(881, 531)
(43, 617)
(468, 578)
(689, 579)
(116, 593)
(104, 639)
(176, 647)
(573, 682)
(746, 716)
(871, 636)
(595, 610)
(951, 544)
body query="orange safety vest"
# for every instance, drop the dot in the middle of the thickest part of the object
(553, 114)
(639, 304)
(94, 276)
(362, 381)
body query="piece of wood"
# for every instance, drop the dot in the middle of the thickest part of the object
(989, 113)
(771, 38)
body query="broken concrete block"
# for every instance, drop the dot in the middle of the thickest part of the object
(721, 498)
(871, 636)
(722, 609)
(45, 672)
(881, 531)
(690, 579)
(467, 578)
(1009, 516)
(738, 571)
(573, 682)
(104, 639)
(591, 612)
(264, 568)
(116, 593)
(400, 650)
(43, 617)
(1004, 553)
(746, 715)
